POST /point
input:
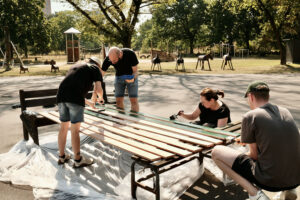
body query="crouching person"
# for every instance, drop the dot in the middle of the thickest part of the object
(71, 101)
(273, 161)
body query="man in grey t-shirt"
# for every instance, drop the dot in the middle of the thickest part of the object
(273, 162)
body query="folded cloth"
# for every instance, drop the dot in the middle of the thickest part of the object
(125, 77)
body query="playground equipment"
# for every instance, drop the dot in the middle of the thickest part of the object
(178, 62)
(72, 45)
(203, 58)
(241, 52)
(227, 59)
(156, 62)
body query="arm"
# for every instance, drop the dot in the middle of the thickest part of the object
(192, 116)
(135, 73)
(222, 122)
(253, 151)
(97, 92)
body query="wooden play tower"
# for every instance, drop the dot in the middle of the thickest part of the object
(72, 45)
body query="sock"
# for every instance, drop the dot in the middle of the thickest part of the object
(79, 159)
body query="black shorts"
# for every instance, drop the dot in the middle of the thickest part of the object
(244, 166)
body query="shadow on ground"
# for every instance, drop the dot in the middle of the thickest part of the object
(208, 187)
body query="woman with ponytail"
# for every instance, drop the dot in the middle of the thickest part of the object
(211, 111)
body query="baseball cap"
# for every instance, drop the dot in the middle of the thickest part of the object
(257, 86)
(95, 60)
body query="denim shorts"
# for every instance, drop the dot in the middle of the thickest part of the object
(120, 85)
(70, 112)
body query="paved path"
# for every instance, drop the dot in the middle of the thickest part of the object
(160, 95)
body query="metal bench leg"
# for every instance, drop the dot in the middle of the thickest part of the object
(133, 183)
(156, 184)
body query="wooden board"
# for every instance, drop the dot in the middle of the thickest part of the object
(167, 128)
(146, 134)
(212, 132)
(128, 148)
(155, 130)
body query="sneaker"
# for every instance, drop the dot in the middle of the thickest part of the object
(259, 196)
(62, 160)
(286, 195)
(83, 162)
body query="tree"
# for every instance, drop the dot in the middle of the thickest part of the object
(120, 16)
(26, 23)
(181, 20)
(59, 23)
(280, 17)
(221, 22)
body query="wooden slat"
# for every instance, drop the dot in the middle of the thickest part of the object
(145, 147)
(147, 135)
(211, 132)
(160, 126)
(128, 148)
(155, 130)
(130, 142)
(40, 102)
(40, 93)
(187, 133)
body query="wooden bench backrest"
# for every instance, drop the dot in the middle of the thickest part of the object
(34, 98)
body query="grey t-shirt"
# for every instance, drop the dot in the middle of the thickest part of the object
(277, 137)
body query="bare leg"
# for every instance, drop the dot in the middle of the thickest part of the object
(134, 104)
(120, 102)
(62, 137)
(224, 158)
(76, 140)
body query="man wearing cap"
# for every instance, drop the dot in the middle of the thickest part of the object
(273, 160)
(125, 63)
(71, 101)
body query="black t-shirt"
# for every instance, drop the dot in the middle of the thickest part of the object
(124, 66)
(212, 116)
(78, 81)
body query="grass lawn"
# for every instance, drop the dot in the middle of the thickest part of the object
(241, 66)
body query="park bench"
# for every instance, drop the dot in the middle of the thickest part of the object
(53, 67)
(41, 98)
(23, 68)
(154, 142)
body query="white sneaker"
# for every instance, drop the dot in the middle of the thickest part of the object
(286, 195)
(259, 196)
(83, 162)
(63, 160)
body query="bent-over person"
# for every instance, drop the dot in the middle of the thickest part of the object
(125, 63)
(71, 102)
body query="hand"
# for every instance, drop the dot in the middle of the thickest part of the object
(180, 112)
(129, 80)
(238, 140)
(90, 103)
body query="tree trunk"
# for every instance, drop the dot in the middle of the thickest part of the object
(191, 45)
(8, 54)
(126, 40)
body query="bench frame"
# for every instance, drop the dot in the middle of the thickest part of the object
(45, 98)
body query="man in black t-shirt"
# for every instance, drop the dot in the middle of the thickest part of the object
(71, 101)
(125, 63)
